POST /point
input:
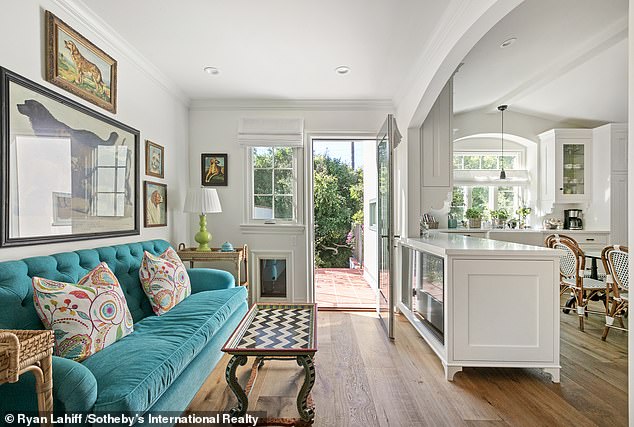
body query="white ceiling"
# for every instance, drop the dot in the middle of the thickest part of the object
(569, 62)
(277, 49)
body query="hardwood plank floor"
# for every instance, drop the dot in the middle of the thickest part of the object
(364, 379)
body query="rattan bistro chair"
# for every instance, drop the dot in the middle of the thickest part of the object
(572, 266)
(616, 263)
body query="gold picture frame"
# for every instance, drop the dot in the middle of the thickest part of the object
(154, 204)
(78, 66)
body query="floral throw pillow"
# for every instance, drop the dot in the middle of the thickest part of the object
(164, 280)
(86, 317)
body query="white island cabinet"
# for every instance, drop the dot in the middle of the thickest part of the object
(481, 302)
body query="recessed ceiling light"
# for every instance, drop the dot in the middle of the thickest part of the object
(343, 69)
(508, 42)
(211, 70)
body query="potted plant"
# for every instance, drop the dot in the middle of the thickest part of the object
(474, 216)
(499, 217)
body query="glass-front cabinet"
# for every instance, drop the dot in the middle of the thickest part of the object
(573, 182)
(565, 165)
(423, 287)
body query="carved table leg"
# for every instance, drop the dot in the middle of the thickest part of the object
(230, 375)
(306, 413)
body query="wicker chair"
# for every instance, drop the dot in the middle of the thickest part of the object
(616, 263)
(572, 274)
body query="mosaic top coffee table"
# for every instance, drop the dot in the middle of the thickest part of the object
(274, 332)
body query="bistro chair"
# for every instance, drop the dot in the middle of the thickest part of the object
(572, 278)
(616, 263)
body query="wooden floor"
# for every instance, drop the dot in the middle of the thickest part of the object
(363, 379)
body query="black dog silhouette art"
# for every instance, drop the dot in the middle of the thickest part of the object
(82, 142)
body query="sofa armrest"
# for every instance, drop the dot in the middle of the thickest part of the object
(209, 279)
(74, 390)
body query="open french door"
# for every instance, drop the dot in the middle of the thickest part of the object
(386, 140)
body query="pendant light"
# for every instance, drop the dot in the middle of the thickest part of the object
(501, 108)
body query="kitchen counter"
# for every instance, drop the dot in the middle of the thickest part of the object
(442, 243)
(516, 230)
(464, 295)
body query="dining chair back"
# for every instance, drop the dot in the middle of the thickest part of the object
(572, 266)
(616, 263)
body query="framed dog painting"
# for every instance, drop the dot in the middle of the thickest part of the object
(154, 160)
(78, 66)
(213, 169)
(67, 173)
(154, 204)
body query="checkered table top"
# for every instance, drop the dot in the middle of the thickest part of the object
(275, 328)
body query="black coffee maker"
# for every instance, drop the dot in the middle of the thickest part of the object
(572, 219)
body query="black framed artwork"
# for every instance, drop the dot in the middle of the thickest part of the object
(68, 172)
(213, 170)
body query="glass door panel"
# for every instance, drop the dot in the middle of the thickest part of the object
(385, 226)
(574, 169)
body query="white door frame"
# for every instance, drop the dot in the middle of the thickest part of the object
(308, 191)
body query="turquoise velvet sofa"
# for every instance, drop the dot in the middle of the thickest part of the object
(159, 367)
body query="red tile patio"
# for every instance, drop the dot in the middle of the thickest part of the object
(343, 288)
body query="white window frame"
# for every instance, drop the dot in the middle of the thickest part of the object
(493, 195)
(249, 219)
(521, 156)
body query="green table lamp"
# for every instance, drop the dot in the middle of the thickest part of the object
(202, 201)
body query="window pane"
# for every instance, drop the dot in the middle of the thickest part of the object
(283, 182)
(263, 181)
(284, 207)
(457, 162)
(106, 204)
(120, 180)
(122, 156)
(480, 197)
(263, 207)
(510, 162)
(262, 157)
(489, 162)
(284, 157)
(458, 205)
(472, 162)
(506, 199)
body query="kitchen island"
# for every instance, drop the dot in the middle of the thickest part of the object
(481, 302)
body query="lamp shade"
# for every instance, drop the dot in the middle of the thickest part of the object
(202, 201)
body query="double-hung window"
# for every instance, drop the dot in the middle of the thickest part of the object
(273, 194)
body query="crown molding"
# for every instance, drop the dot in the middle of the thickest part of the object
(297, 104)
(81, 13)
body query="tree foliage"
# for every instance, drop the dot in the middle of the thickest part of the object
(338, 193)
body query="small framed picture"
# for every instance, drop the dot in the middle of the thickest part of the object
(154, 160)
(213, 169)
(154, 204)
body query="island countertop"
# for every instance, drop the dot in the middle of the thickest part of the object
(441, 243)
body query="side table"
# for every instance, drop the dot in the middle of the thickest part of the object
(23, 351)
(220, 260)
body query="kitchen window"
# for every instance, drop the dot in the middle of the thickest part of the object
(477, 184)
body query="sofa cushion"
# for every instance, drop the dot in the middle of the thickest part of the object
(86, 317)
(164, 280)
(134, 372)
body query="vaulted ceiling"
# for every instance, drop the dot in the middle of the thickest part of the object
(569, 62)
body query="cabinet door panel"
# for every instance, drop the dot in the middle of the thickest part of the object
(505, 310)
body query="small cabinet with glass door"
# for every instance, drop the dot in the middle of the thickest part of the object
(565, 165)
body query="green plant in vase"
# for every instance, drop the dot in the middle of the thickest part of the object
(499, 217)
(523, 213)
(474, 216)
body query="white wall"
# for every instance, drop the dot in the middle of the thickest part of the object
(142, 102)
(213, 129)
(370, 238)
